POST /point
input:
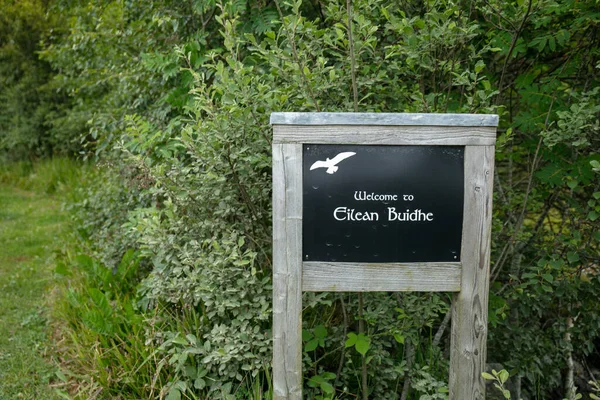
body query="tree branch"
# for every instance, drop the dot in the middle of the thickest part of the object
(352, 56)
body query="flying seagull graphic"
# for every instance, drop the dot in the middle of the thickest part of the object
(331, 164)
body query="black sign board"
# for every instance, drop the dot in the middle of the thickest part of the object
(369, 203)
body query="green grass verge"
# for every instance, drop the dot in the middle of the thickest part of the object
(31, 224)
(49, 176)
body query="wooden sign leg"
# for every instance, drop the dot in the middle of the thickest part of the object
(287, 271)
(470, 305)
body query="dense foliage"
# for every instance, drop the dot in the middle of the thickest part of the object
(26, 99)
(173, 99)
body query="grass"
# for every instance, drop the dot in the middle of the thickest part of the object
(48, 176)
(31, 225)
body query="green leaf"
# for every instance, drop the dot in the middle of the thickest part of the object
(541, 43)
(572, 184)
(488, 376)
(326, 387)
(399, 338)
(362, 344)
(174, 394)
(320, 331)
(541, 262)
(179, 340)
(311, 345)
(552, 43)
(63, 395)
(503, 376)
(199, 383)
(351, 339)
(548, 277)
(315, 381)
(306, 335)
(593, 215)
(328, 375)
(572, 257)
(479, 66)
(60, 375)
(596, 195)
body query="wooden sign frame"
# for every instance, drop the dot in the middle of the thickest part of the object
(468, 279)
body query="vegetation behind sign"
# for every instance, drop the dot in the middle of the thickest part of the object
(174, 98)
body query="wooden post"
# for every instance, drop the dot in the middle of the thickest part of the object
(470, 305)
(287, 265)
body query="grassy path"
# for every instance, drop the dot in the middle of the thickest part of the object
(30, 225)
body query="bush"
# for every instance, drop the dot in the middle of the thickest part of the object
(178, 94)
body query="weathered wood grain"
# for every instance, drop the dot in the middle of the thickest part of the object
(470, 305)
(287, 264)
(385, 135)
(338, 118)
(366, 277)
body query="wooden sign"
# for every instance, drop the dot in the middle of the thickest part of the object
(382, 202)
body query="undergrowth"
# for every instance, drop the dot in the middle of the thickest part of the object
(109, 348)
(102, 336)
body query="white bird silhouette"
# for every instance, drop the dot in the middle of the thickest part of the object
(331, 164)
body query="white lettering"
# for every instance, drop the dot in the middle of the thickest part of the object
(342, 210)
(416, 215)
(350, 214)
(364, 196)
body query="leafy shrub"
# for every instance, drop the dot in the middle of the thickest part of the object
(178, 94)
